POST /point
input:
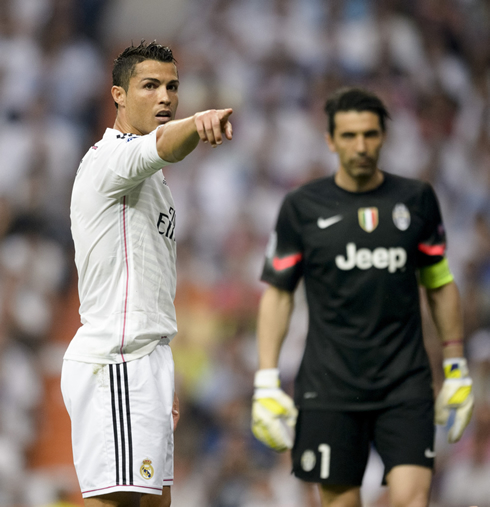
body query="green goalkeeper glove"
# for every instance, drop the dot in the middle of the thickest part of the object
(273, 412)
(455, 395)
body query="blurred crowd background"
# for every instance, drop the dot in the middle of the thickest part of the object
(274, 62)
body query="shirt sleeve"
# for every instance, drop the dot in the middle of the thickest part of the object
(436, 275)
(284, 260)
(431, 248)
(129, 161)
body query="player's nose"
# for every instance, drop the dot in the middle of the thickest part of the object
(360, 144)
(164, 97)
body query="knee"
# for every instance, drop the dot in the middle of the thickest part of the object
(409, 486)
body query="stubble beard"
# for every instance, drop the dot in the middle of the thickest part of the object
(363, 173)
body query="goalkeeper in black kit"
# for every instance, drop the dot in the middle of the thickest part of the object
(363, 240)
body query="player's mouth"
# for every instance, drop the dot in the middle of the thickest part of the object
(163, 116)
(363, 162)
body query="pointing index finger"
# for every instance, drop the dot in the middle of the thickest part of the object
(225, 124)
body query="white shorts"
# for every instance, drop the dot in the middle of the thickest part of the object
(122, 427)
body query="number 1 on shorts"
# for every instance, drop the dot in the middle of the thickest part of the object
(325, 461)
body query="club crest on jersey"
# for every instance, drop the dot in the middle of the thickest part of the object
(401, 217)
(308, 460)
(146, 469)
(368, 218)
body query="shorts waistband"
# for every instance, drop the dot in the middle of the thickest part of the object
(164, 340)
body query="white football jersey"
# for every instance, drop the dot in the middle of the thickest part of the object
(123, 226)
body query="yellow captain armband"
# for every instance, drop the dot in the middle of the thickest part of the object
(436, 275)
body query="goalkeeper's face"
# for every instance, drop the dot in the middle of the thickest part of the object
(357, 140)
(151, 98)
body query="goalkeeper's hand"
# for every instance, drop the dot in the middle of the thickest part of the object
(455, 395)
(273, 412)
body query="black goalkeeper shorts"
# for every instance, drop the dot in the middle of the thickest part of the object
(332, 447)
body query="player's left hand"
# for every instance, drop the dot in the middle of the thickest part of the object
(273, 412)
(456, 394)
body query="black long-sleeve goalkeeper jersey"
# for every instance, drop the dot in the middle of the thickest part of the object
(359, 254)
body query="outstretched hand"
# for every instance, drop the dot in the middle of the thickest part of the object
(212, 124)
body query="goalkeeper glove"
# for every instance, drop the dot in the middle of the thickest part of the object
(273, 412)
(455, 395)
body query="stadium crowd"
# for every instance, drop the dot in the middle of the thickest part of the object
(274, 62)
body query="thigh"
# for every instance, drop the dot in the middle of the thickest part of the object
(125, 499)
(118, 499)
(331, 447)
(340, 496)
(409, 485)
(122, 430)
(157, 501)
(404, 435)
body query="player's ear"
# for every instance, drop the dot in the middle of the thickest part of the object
(330, 143)
(119, 95)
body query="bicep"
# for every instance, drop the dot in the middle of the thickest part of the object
(284, 263)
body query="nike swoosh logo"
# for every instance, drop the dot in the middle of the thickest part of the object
(429, 454)
(323, 223)
(310, 395)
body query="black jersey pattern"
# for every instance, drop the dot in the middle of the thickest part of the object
(359, 254)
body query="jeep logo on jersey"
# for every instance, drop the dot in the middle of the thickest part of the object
(368, 218)
(379, 258)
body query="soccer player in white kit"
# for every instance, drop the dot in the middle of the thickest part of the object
(118, 377)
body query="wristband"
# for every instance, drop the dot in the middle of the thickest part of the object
(267, 378)
(455, 368)
(452, 342)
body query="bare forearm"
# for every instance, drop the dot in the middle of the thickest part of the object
(446, 312)
(275, 311)
(177, 139)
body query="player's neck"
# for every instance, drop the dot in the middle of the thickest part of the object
(359, 184)
(124, 126)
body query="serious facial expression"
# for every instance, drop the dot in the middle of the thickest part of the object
(152, 97)
(357, 140)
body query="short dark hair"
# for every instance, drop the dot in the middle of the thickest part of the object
(125, 63)
(355, 99)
